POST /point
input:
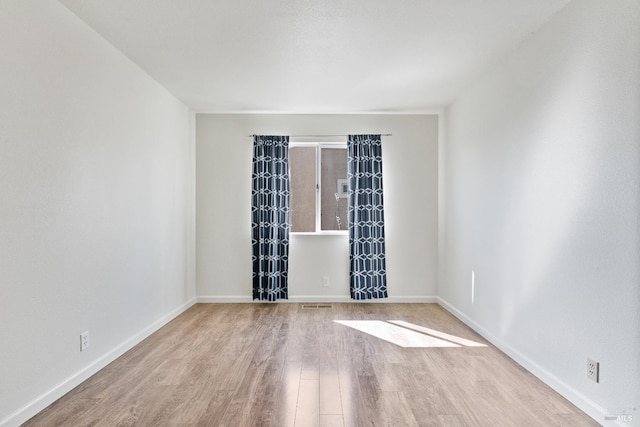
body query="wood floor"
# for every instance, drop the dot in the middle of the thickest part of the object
(285, 365)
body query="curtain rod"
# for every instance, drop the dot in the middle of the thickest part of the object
(320, 136)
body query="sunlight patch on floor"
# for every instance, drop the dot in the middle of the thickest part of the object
(408, 335)
(395, 334)
(462, 341)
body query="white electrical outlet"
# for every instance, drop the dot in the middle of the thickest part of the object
(325, 281)
(84, 340)
(593, 370)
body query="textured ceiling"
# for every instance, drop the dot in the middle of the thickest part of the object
(315, 56)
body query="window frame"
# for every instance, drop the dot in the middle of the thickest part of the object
(318, 197)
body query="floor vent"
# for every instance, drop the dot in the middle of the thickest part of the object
(314, 306)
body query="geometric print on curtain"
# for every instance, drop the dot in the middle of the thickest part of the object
(270, 217)
(368, 275)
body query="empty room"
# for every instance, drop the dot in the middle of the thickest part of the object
(319, 213)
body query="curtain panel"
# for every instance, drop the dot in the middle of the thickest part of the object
(270, 223)
(368, 275)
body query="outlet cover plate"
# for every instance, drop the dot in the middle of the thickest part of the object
(84, 340)
(593, 370)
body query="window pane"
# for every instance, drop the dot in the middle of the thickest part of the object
(333, 202)
(302, 167)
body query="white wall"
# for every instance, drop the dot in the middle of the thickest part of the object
(540, 197)
(96, 204)
(224, 155)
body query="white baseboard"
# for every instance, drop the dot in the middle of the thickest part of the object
(318, 298)
(223, 299)
(586, 405)
(46, 399)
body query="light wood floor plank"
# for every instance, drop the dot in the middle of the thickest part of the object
(331, 421)
(330, 401)
(289, 389)
(308, 409)
(281, 365)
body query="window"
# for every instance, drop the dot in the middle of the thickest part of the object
(319, 187)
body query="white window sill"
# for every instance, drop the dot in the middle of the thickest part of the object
(320, 233)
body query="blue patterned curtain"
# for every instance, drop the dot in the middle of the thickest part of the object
(366, 218)
(270, 217)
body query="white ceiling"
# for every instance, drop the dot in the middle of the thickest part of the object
(315, 56)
